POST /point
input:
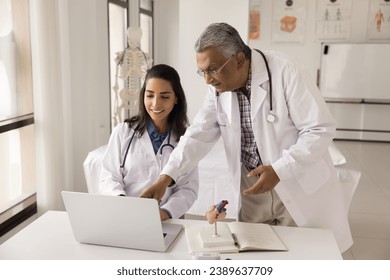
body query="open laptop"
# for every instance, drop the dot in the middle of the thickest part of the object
(118, 221)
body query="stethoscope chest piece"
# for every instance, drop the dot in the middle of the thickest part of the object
(271, 118)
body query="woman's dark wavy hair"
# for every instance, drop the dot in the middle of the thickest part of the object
(177, 119)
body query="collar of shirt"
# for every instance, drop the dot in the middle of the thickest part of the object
(156, 138)
(246, 90)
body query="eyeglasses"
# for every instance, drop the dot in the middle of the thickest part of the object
(213, 73)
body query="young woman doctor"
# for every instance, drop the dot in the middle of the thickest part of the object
(139, 148)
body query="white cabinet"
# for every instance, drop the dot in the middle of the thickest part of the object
(359, 121)
(355, 82)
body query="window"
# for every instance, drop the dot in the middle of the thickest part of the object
(146, 24)
(17, 145)
(117, 28)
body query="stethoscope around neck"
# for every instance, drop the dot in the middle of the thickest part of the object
(168, 144)
(270, 116)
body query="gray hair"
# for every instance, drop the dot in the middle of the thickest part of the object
(224, 38)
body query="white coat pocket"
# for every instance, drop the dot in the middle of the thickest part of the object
(314, 176)
(137, 165)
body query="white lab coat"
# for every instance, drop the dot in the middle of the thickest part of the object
(296, 144)
(142, 168)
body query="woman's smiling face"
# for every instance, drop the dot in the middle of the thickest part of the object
(159, 101)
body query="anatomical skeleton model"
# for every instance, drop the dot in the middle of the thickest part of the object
(131, 66)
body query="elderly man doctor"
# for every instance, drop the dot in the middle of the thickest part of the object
(276, 131)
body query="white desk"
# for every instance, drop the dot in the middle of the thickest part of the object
(51, 237)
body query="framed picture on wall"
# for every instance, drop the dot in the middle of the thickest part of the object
(378, 24)
(254, 25)
(333, 19)
(289, 21)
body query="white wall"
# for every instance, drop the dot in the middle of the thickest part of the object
(194, 15)
(89, 79)
(192, 18)
(310, 50)
(71, 81)
(166, 24)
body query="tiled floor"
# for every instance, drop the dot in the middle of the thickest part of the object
(369, 214)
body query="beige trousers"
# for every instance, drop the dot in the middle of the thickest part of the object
(262, 208)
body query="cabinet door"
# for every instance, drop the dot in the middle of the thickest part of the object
(355, 71)
(347, 115)
(359, 121)
(377, 117)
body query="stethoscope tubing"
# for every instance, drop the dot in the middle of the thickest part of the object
(270, 116)
(168, 144)
(269, 79)
(127, 150)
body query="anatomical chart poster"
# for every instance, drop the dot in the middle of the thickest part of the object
(378, 25)
(254, 19)
(333, 19)
(288, 21)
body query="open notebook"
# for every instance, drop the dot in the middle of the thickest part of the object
(243, 237)
(127, 222)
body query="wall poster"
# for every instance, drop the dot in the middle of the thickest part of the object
(378, 25)
(289, 21)
(333, 19)
(254, 19)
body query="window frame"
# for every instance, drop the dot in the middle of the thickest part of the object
(25, 205)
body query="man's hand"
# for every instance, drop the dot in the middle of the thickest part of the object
(267, 181)
(157, 189)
